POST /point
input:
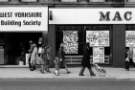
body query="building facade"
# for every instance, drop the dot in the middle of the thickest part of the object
(108, 25)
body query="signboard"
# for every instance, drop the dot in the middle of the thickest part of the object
(130, 38)
(24, 18)
(93, 15)
(97, 38)
(98, 54)
(70, 40)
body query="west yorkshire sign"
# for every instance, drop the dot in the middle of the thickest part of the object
(23, 18)
(93, 16)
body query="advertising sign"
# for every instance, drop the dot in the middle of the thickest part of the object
(70, 40)
(98, 54)
(130, 38)
(24, 18)
(97, 38)
(93, 15)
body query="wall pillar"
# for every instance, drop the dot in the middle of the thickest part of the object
(118, 45)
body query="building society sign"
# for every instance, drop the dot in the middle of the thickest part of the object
(23, 18)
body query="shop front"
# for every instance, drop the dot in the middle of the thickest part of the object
(103, 28)
(18, 26)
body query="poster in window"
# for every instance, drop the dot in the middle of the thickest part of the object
(130, 38)
(134, 55)
(70, 40)
(97, 38)
(98, 55)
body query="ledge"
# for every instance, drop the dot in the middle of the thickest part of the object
(130, 4)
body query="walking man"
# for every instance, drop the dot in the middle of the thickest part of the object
(129, 58)
(86, 61)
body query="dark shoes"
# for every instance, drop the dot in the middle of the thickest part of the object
(93, 74)
(81, 74)
(68, 72)
(127, 69)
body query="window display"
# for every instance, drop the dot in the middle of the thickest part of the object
(130, 38)
(97, 38)
(70, 40)
(98, 55)
(99, 41)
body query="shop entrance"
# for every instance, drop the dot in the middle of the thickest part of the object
(16, 44)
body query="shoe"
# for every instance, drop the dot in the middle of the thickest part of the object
(31, 69)
(81, 74)
(127, 69)
(56, 73)
(93, 74)
(68, 72)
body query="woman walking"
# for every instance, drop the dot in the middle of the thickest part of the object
(60, 60)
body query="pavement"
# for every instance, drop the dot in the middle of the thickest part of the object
(111, 73)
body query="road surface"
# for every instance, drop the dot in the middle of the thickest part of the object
(66, 84)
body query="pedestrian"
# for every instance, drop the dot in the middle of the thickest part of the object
(86, 61)
(57, 65)
(33, 57)
(47, 57)
(41, 54)
(60, 60)
(129, 58)
(29, 53)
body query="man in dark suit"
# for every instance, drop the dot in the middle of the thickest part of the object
(86, 61)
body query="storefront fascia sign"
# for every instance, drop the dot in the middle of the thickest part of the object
(93, 16)
(24, 18)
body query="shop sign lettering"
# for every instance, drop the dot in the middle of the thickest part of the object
(23, 18)
(117, 16)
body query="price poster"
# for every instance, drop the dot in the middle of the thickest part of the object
(134, 55)
(98, 55)
(97, 38)
(70, 40)
(130, 38)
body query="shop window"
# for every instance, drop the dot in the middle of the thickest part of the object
(68, 0)
(130, 42)
(100, 44)
(70, 40)
(130, 38)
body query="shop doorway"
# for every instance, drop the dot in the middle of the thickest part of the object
(17, 44)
